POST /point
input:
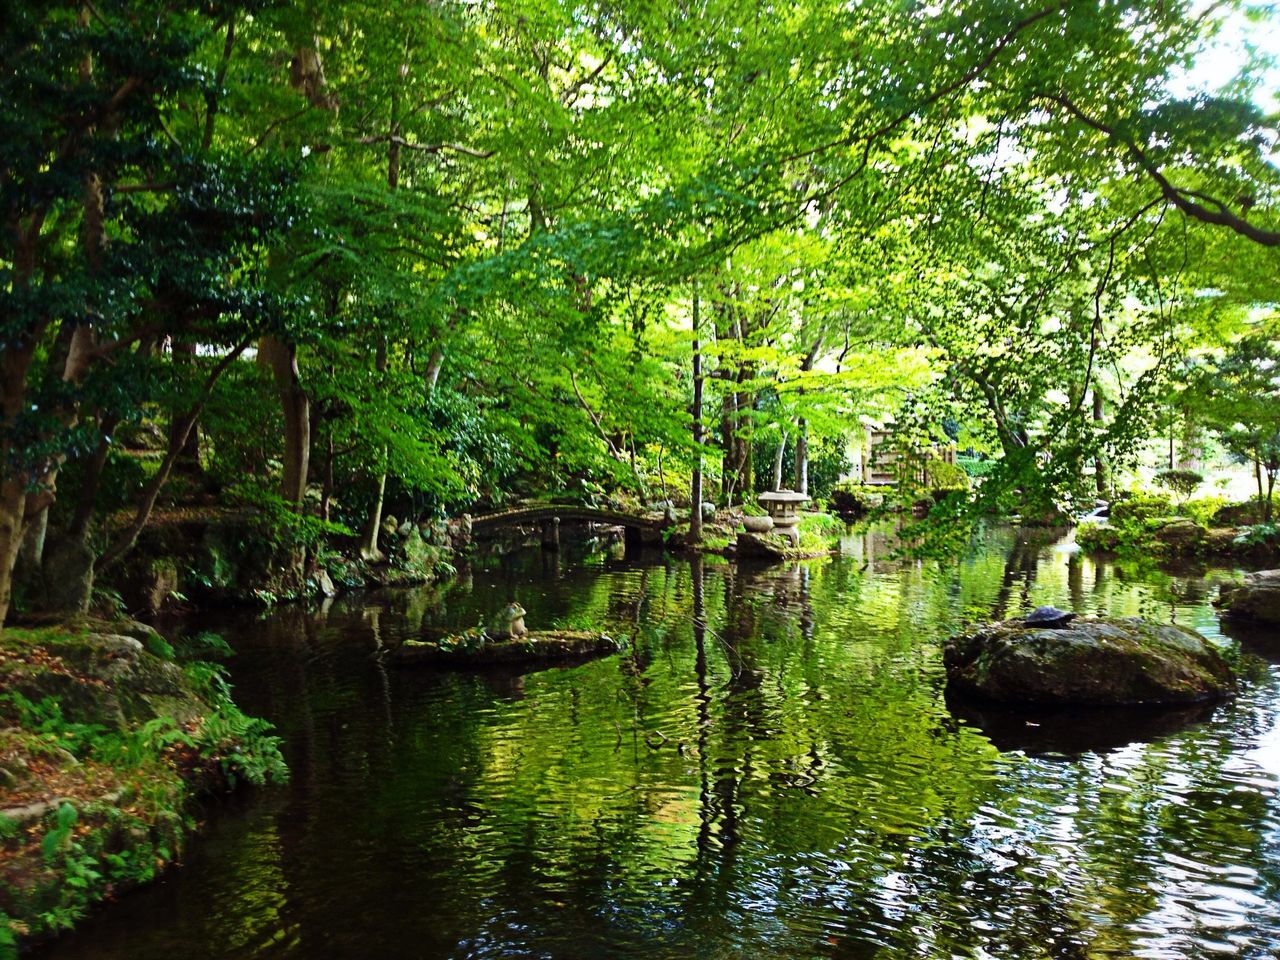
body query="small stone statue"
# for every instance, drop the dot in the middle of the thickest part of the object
(510, 622)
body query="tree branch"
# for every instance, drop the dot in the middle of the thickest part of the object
(1181, 197)
(962, 81)
(178, 440)
(428, 147)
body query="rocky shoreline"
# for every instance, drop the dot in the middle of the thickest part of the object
(108, 740)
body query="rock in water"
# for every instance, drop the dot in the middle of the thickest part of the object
(1257, 599)
(1095, 662)
(762, 545)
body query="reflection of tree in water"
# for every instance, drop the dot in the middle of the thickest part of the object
(1020, 569)
(811, 794)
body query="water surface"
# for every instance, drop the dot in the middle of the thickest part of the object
(771, 771)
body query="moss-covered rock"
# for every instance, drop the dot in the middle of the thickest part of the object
(1179, 535)
(1257, 599)
(765, 546)
(1095, 661)
(477, 649)
(1220, 542)
(771, 546)
(1098, 537)
(104, 674)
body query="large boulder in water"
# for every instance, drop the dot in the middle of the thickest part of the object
(1090, 661)
(1257, 599)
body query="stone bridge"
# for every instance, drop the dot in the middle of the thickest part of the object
(640, 529)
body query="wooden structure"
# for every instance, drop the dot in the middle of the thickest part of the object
(881, 464)
(638, 529)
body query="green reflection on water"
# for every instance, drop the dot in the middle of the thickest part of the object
(771, 770)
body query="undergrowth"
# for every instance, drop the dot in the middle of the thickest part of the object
(117, 798)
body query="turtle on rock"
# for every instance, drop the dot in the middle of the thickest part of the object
(1048, 617)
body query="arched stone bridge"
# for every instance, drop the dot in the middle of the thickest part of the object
(640, 528)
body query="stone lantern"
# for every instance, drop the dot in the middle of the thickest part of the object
(784, 507)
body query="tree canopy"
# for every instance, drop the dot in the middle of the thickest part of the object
(355, 254)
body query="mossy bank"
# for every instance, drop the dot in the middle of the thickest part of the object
(108, 737)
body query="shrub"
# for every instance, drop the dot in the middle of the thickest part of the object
(820, 531)
(1183, 483)
(975, 467)
(1141, 506)
(1260, 534)
(1097, 536)
(1238, 514)
(1203, 510)
(945, 476)
(854, 499)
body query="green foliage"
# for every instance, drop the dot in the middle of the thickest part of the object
(1182, 483)
(465, 641)
(828, 461)
(202, 645)
(127, 784)
(1141, 507)
(280, 523)
(943, 476)
(486, 297)
(1100, 537)
(820, 531)
(1260, 534)
(1237, 392)
(1203, 510)
(853, 498)
(975, 467)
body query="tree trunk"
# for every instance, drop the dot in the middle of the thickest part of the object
(15, 362)
(326, 490)
(306, 75)
(35, 531)
(13, 503)
(432, 375)
(1190, 459)
(1099, 466)
(80, 343)
(67, 570)
(373, 523)
(728, 447)
(695, 491)
(68, 575)
(802, 426)
(802, 456)
(189, 456)
(778, 459)
(125, 541)
(282, 358)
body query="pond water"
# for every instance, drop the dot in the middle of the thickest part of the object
(785, 781)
